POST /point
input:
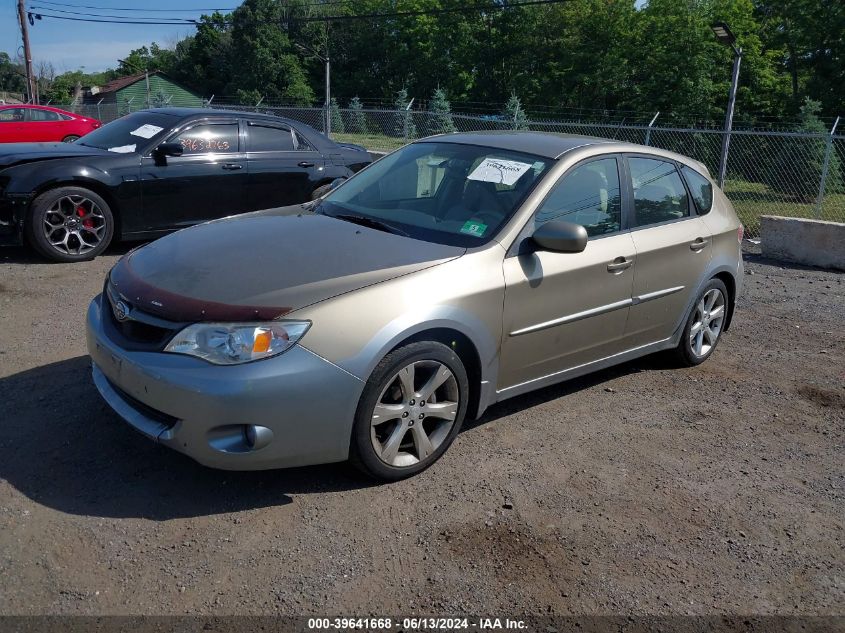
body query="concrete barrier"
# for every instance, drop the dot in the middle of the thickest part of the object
(810, 242)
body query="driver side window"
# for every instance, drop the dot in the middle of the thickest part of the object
(588, 195)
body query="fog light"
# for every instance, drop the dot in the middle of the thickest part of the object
(257, 437)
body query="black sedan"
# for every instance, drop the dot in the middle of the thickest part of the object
(156, 171)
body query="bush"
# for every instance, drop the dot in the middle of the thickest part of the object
(515, 114)
(403, 123)
(357, 119)
(441, 114)
(336, 118)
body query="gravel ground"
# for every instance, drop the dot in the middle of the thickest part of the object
(643, 489)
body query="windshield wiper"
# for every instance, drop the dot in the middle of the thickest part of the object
(371, 223)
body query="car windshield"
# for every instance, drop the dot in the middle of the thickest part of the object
(129, 133)
(439, 192)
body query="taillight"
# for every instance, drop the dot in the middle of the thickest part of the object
(739, 233)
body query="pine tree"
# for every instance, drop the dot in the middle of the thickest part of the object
(357, 120)
(404, 120)
(797, 164)
(336, 118)
(441, 113)
(515, 114)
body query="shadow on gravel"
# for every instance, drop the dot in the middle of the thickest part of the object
(560, 390)
(63, 447)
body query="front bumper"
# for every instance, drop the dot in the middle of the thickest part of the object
(13, 210)
(188, 404)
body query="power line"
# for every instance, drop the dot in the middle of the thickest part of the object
(35, 9)
(88, 6)
(112, 19)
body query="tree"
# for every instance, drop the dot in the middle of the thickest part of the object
(515, 114)
(441, 113)
(797, 163)
(357, 119)
(336, 118)
(12, 76)
(403, 121)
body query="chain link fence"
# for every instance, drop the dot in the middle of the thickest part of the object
(793, 174)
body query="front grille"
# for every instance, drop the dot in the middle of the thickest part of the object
(140, 331)
(147, 411)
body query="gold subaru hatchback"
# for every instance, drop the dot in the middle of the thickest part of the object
(457, 272)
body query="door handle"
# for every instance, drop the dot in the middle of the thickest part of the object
(619, 264)
(305, 163)
(231, 166)
(699, 244)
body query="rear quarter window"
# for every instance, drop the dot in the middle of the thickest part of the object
(700, 188)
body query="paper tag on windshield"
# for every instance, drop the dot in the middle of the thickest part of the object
(474, 228)
(146, 131)
(122, 149)
(504, 172)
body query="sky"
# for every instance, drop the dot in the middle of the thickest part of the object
(71, 45)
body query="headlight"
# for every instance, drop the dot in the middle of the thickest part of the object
(234, 343)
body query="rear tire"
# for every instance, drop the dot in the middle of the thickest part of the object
(410, 412)
(320, 191)
(704, 326)
(69, 224)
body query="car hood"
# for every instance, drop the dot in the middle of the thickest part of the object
(263, 265)
(19, 153)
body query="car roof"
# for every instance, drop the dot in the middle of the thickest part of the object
(545, 144)
(203, 112)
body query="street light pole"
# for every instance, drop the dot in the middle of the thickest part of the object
(328, 97)
(726, 37)
(327, 122)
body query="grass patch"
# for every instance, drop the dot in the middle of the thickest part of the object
(753, 199)
(375, 142)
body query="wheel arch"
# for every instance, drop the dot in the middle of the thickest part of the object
(730, 283)
(466, 351)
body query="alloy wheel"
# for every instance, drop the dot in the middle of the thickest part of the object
(74, 225)
(414, 413)
(707, 322)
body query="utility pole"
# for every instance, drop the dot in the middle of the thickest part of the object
(27, 53)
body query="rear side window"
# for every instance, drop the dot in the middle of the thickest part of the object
(659, 192)
(589, 195)
(264, 138)
(209, 138)
(43, 115)
(700, 189)
(12, 115)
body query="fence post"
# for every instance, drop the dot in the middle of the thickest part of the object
(825, 168)
(648, 132)
(99, 116)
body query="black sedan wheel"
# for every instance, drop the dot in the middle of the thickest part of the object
(70, 224)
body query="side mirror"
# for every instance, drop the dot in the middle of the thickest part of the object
(561, 237)
(170, 149)
(336, 183)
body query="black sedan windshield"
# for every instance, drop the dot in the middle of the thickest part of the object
(130, 133)
(440, 192)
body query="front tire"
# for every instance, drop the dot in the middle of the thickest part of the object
(704, 326)
(411, 410)
(70, 224)
(70, 138)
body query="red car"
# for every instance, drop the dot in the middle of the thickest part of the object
(26, 123)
